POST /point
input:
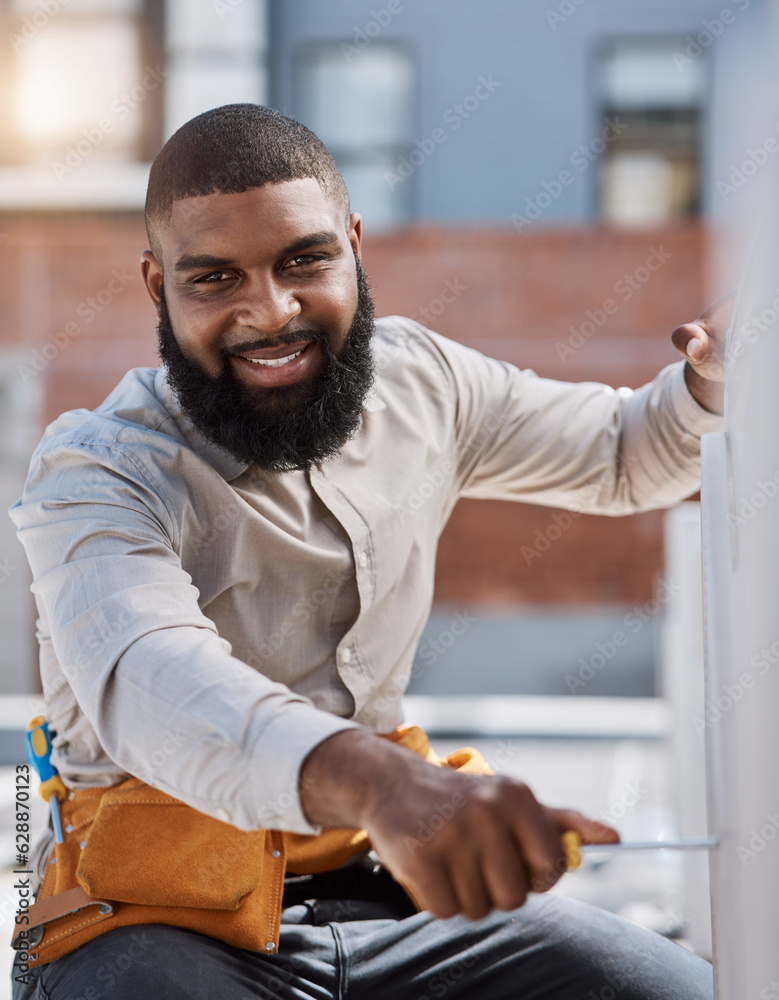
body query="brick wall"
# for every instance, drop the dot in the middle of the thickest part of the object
(77, 317)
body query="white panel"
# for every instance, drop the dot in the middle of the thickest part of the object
(683, 686)
(740, 498)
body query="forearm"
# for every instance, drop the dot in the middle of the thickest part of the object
(344, 776)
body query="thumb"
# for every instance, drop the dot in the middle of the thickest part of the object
(691, 341)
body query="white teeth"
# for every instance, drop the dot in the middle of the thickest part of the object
(274, 362)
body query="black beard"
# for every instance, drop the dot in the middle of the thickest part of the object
(279, 428)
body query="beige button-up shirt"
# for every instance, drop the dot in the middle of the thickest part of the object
(204, 625)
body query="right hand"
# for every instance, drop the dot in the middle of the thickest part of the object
(468, 844)
(460, 843)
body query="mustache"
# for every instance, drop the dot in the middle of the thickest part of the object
(291, 337)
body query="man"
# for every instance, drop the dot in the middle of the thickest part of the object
(231, 583)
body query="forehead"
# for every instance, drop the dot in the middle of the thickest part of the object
(268, 217)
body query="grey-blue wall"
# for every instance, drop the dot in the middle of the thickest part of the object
(544, 109)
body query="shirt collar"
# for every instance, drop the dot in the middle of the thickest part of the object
(226, 465)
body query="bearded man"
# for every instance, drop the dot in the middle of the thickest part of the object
(231, 585)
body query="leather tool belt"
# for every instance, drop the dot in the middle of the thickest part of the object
(134, 855)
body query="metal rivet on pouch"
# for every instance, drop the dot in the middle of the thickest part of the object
(82, 845)
(53, 861)
(69, 828)
(269, 946)
(275, 854)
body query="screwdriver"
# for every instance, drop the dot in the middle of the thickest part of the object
(37, 741)
(573, 846)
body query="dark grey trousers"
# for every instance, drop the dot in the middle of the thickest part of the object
(553, 948)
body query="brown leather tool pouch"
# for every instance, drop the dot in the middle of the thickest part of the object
(134, 855)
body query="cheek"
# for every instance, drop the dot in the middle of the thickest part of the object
(338, 302)
(197, 332)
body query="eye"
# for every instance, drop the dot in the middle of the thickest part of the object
(302, 259)
(213, 278)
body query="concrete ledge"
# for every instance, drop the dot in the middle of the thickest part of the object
(452, 715)
(534, 715)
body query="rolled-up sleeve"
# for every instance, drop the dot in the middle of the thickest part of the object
(166, 699)
(582, 446)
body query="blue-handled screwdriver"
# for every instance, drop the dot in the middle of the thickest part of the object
(37, 741)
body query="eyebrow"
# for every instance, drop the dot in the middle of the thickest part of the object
(196, 261)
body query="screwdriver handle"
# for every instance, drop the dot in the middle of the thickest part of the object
(37, 743)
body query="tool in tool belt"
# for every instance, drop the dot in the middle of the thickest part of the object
(37, 742)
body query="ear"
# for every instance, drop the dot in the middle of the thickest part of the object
(355, 233)
(151, 272)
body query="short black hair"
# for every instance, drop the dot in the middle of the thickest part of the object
(232, 149)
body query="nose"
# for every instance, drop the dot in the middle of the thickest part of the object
(267, 306)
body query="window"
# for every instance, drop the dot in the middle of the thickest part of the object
(83, 84)
(650, 171)
(362, 109)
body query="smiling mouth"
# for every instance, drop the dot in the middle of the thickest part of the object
(275, 362)
(277, 366)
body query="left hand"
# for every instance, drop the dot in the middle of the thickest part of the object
(702, 344)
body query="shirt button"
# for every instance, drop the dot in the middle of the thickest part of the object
(222, 814)
(363, 559)
(346, 655)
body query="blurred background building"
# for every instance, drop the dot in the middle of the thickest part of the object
(534, 182)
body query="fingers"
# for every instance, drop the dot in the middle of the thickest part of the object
(468, 883)
(435, 892)
(505, 874)
(591, 831)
